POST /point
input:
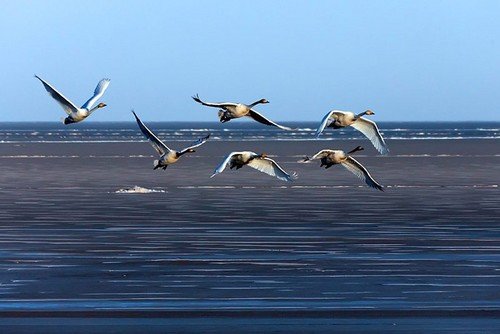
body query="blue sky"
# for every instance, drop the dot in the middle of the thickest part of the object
(406, 60)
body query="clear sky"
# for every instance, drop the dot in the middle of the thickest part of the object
(405, 60)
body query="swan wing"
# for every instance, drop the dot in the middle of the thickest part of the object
(269, 166)
(370, 130)
(157, 144)
(98, 92)
(360, 171)
(215, 105)
(329, 117)
(197, 143)
(224, 163)
(261, 119)
(65, 103)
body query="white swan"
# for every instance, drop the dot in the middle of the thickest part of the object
(340, 119)
(258, 161)
(167, 155)
(335, 157)
(231, 110)
(76, 114)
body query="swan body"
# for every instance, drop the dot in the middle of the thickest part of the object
(330, 158)
(167, 156)
(76, 114)
(229, 111)
(337, 119)
(257, 161)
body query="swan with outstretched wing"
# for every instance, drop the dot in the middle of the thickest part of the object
(329, 158)
(230, 110)
(259, 162)
(76, 114)
(168, 156)
(337, 119)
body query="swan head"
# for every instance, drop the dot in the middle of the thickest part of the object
(263, 101)
(369, 112)
(101, 105)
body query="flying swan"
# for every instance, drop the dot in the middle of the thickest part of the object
(76, 114)
(258, 161)
(340, 119)
(229, 110)
(167, 155)
(335, 157)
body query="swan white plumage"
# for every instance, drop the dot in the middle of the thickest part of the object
(334, 157)
(167, 155)
(76, 114)
(229, 110)
(257, 161)
(340, 119)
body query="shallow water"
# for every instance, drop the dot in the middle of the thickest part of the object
(244, 241)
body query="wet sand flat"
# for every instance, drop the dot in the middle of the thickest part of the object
(244, 242)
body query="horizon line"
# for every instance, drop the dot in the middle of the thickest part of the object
(216, 122)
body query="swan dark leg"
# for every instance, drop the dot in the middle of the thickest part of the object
(223, 118)
(68, 120)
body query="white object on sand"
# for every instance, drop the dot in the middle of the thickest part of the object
(138, 190)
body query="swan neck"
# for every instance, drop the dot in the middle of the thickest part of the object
(360, 114)
(355, 150)
(254, 104)
(179, 154)
(93, 109)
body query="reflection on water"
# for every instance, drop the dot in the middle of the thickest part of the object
(239, 248)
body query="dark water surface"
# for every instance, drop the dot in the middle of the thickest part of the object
(236, 130)
(243, 242)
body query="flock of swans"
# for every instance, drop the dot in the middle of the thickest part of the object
(335, 119)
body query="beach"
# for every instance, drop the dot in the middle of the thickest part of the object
(247, 251)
